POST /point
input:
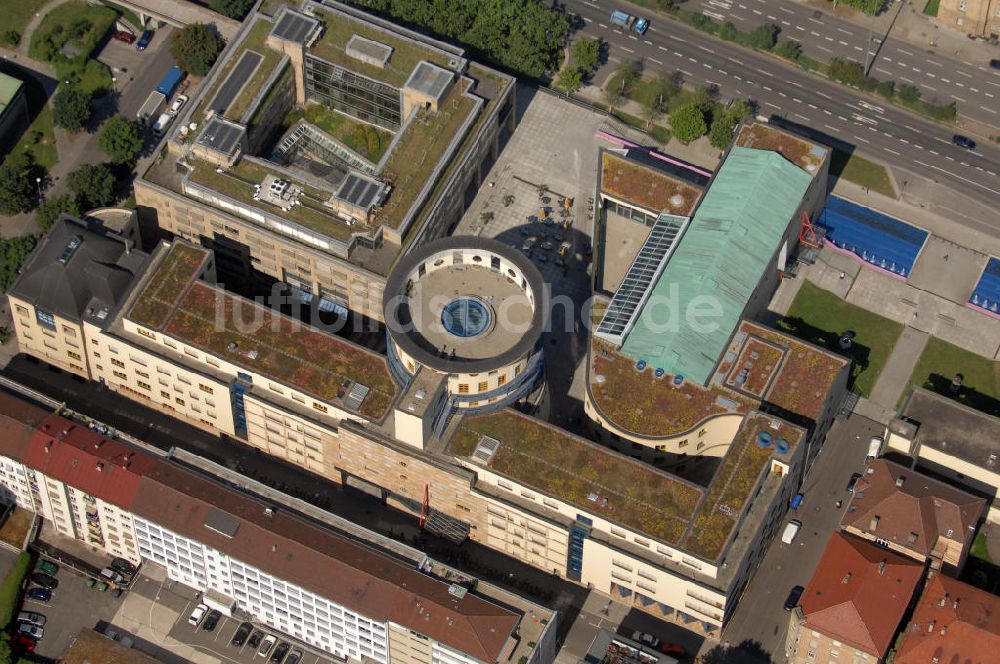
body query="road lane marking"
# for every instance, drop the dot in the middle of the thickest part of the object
(842, 42)
(846, 32)
(651, 59)
(828, 112)
(796, 100)
(627, 49)
(663, 48)
(799, 27)
(768, 89)
(934, 152)
(758, 12)
(767, 103)
(786, 10)
(962, 73)
(831, 128)
(693, 60)
(930, 87)
(887, 59)
(798, 85)
(824, 95)
(891, 151)
(587, 20)
(801, 117)
(737, 77)
(938, 168)
(814, 33)
(974, 90)
(945, 80)
(815, 21)
(735, 60)
(936, 64)
(705, 64)
(863, 140)
(902, 51)
(678, 54)
(988, 110)
(958, 99)
(765, 73)
(812, 106)
(686, 73)
(782, 94)
(707, 50)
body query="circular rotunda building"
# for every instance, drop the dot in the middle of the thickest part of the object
(470, 310)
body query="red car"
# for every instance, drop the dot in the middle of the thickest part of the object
(123, 36)
(23, 642)
(673, 649)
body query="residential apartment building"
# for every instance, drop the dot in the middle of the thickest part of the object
(338, 593)
(853, 605)
(324, 144)
(949, 440)
(979, 18)
(912, 514)
(952, 622)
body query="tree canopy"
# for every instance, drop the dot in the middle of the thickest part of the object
(725, 123)
(569, 79)
(196, 47)
(687, 123)
(18, 188)
(13, 252)
(121, 139)
(586, 54)
(525, 36)
(232, 8)
(71, 108)
(50, 209)
(93, 185)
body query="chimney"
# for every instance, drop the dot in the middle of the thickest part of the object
(100, 467)
(274, 548)
(268, 512)
(930, 626)
(48, 447)
(98, 444)
(900, 480)
(847, 577)
(955, 605)
(873, 524)
(943, 630)
(943, 600)
(881, 567)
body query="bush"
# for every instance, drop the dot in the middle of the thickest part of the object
(71, 109)
(725, 123)
(50, 209)
(121, 139)
(11, 587)
(728, 31)
(12, 38)
(196, 47)
(93, 184)
(569, 79)
(790, 50)
(908, 94)
(688, 123)
(886, 89)
(764, 37)
(846, 71)
(232, 8)
(942, 112)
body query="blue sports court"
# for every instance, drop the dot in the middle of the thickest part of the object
(873, 237)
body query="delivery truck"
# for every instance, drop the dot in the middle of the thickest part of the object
(629, 23)
(151, 108)
(170, 82)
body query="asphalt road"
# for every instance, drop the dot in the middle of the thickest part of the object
(760, 616)
(973, 86)
(836, 115)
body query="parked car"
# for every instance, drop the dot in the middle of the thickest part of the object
(144, 39)
(45, 567)
(123, 36)
(196, 615)
(211, 620)
(793, 597)
(963, 142)
(31, 618)
(853, 482)
(110, 575)
(34, 631)
(178, 104)
(39, 594)
(280, 652)
(242, 632)
(791, 530)
(266, 645)
(673, 649)
(294, 657)
(255, 638)
(645, 638)
(123, 566)
(44, 580)
(23, 642)
(995, 64)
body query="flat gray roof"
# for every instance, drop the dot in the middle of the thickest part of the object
(368, 50)
(957, 430)
(429, 79)
(358, 191)
(237, 78)
(221, 135)
(293, 26)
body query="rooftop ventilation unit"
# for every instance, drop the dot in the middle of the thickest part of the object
(485, 450)
(356, 395)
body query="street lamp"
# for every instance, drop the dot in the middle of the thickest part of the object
(38, 183)
(113, 84)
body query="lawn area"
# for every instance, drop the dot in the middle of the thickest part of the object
(931, 8)
(11, 587)
(979, 548)
(820, 317)
(79, 27)
(19, 13)
(862, 172)
(980, 376)
(369, 141)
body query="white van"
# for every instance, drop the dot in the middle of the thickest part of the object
(791, 530)
(162, 122)
(874, 448)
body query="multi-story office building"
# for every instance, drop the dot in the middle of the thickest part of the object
(676, 531)
(337, 592)
(324, 143)
(980, 18)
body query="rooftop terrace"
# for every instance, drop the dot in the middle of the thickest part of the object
(338, 28)
(260, 339)
(744, 464)
(646, 187)
(582, 473)
(804, 154)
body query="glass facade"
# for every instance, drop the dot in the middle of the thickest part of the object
(358, 96)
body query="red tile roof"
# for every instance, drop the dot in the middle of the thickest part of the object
(859, 592)
(74, 454)
(953, 622)
(18, 419)
(323, 562)
(913, 510)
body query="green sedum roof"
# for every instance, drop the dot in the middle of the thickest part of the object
(721, 258)
(8, 90)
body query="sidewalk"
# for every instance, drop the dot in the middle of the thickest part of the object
(899, 367)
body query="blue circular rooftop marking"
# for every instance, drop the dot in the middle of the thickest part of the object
(465, 317)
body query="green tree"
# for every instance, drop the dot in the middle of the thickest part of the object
(232, 8)
(687, 123)
(569, 79)
(71, 108)
(790, 50)
(846, 71)
(50, 209)
(121, 139)
(13, 252)
(764, 37)
(725, 123)
(728, 31)
(908, 93)
(93, 184)
(886, 89)
(196, 47)
(655, 96)
(18, 188)
(586, 54)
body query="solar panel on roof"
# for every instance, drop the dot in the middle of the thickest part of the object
(237, 78)
(293, 26)
(221, 136)
(641, 275)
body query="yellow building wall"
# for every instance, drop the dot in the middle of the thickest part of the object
(63, 347)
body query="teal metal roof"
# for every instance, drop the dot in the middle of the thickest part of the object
(721, 258)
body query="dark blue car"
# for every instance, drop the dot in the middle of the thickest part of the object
(40, 594)
(144, 39)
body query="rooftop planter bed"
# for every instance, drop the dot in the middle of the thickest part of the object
(761, 361)
(762, 137)
(582, 473)
(178, 269)
(645, 187)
